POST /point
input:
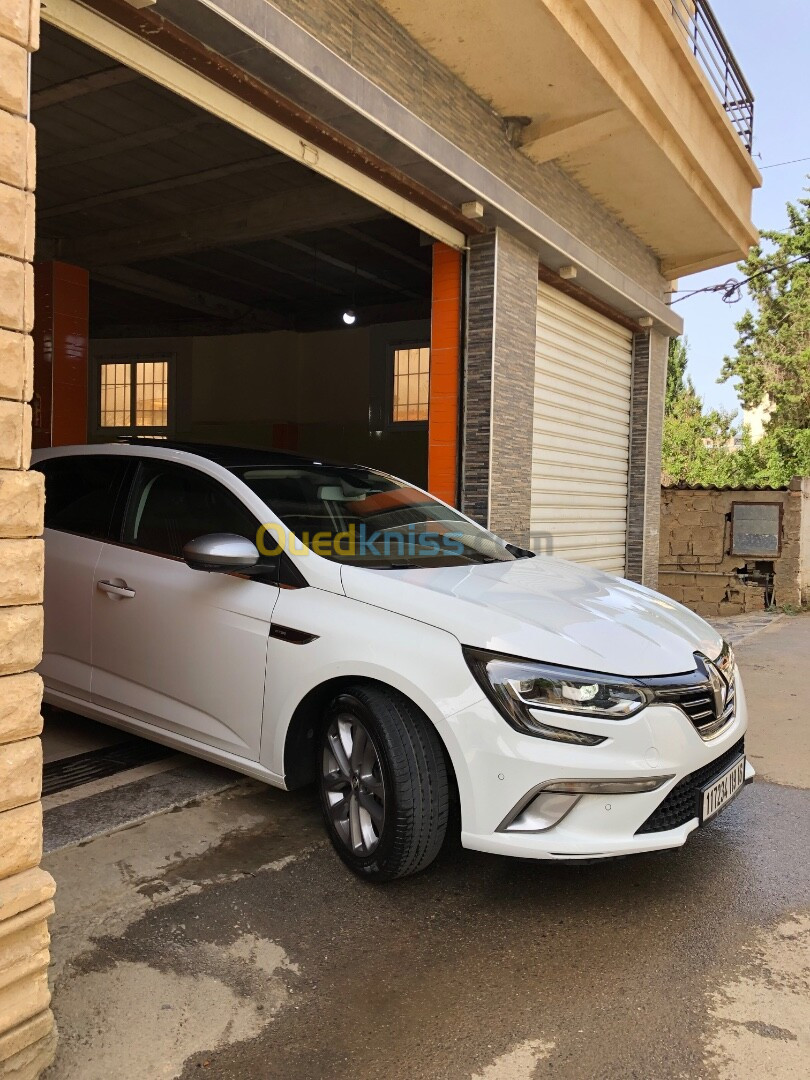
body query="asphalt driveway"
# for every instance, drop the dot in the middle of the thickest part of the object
(225, 939)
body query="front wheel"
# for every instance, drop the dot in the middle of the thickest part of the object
(383, 782)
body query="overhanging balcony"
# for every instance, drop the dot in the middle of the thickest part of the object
(709, 45)
(641, 102)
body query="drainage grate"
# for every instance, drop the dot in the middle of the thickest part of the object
(70, 772)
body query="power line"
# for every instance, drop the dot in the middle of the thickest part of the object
(779, 164)
(731, 290)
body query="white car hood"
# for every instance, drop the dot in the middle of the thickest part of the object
(545, 609)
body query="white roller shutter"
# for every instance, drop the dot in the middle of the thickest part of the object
(581, 432)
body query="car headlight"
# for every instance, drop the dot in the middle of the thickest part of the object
(521, 688)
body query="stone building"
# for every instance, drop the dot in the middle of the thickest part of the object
(730, 551)
(436, 238)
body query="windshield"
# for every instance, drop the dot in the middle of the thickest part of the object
(366, 518)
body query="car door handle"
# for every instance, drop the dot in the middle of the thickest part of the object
(115, 590)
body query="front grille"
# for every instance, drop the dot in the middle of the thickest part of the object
(681, 805)
(698, 704)
(694, 693)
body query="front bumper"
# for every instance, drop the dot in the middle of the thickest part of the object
(496, 767)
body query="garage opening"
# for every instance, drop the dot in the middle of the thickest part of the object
(194, 283)
(227, 293)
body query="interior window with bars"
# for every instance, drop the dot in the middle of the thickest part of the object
(134, 397)
(411, 384)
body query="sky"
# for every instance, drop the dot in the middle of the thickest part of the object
(772, 44)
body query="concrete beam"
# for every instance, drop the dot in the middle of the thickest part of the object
(170, 292)
(107, 198)
(80, 87)
(547, 141)
(123, 144)
(351, 268)
(317, 206)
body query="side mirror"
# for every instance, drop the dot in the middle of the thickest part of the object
(221, 553)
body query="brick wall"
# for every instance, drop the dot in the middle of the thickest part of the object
(499, 384)
(477, 385)
(513, 390)
(27, 1033)
(696, 566)
(366, 36)
(646, 432)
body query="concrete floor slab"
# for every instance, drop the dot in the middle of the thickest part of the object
(120, 806)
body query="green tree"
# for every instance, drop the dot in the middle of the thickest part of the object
(773, 347)
(676, 371)
(696, 444)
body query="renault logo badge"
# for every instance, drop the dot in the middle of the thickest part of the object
(719, 688)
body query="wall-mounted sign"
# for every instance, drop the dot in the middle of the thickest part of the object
(756, 528)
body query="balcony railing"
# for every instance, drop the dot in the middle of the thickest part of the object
(708, 42)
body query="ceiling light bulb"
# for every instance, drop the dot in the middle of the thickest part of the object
(349, 316)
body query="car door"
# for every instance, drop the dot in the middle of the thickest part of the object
(82, 492)
(177, 648)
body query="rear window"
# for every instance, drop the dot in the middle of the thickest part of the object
(81, 492)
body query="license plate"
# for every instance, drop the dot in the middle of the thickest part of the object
(722, 790)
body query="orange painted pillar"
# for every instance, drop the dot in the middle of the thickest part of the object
(445, 374)
(61, 339)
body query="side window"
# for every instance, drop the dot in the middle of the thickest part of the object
(410, 388)
(81, 492)
(133, 397)
(172, 504)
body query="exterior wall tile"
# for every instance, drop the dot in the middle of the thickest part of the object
(22, 503)
(20, 639)
(27, 1031)
(16, 294)
(16, 222)
(25, 891)
(14, 135)
(20, 776)
(16, 365)
(30, 1062)
(24, 953)
(499, 384)
(646, 433)
(13, 75)
(513, 390)
(20, 1038)
(478, 368)
(18, 1003)
(15, 435)
(20, 846)
(19, 22)
(22, 568)
(21, 700)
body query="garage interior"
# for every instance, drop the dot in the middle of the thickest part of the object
(194, 283)
(220, 275)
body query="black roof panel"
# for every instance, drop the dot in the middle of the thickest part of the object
(231, 457)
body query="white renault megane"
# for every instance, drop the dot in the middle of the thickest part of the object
(298, 621)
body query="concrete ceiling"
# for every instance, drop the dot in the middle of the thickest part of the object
(188, 225)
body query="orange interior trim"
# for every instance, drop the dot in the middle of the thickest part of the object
(445, 366)
(61, 337)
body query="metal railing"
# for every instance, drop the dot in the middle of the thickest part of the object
(708, 42)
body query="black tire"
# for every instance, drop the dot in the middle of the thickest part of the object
(409, 763)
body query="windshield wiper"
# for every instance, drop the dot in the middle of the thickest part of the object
(520, 552)
(395, 566)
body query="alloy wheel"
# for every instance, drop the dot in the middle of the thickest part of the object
(353, 784)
